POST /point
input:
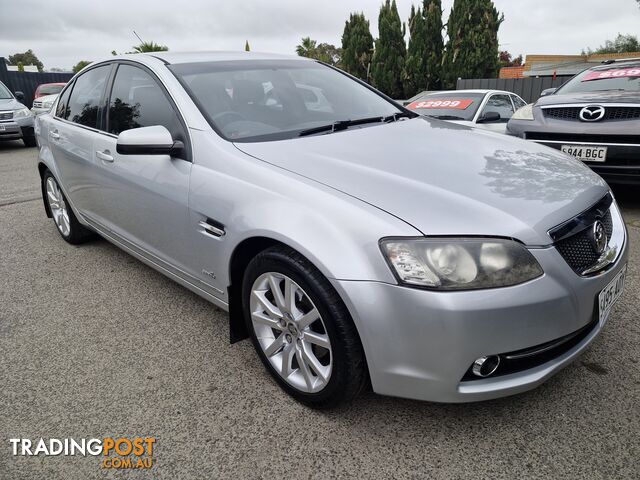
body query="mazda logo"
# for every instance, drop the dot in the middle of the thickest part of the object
(592, 113)
(599, 237)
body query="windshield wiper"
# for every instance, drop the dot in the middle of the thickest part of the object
(445, 117)
(339, 125)
(397, 116)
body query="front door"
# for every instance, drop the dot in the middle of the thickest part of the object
(145, 197)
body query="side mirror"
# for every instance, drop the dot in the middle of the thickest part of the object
(19, 96)
(489, 117)
(548, 91)
(154, 140)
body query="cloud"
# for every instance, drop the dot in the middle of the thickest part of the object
(63, 32)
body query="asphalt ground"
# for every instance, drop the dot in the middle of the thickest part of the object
(94, 343)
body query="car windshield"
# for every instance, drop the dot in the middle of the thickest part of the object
(615, 77)
(4, 92)
(264, 100)
(448, 105)
(49, 89)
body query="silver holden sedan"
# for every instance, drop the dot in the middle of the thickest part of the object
(352, 240)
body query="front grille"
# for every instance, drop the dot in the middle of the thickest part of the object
(37, 104)
(611, 113)
(6, 116)
(587, 138)
(578, 250)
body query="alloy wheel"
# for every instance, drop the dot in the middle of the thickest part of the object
(58, 207)
(291, 332)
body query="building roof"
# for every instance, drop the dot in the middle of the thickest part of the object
(549, 65)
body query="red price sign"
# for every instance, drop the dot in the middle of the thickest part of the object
(461, 104)
(614, 73)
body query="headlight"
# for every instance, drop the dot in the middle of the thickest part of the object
(524, 113)
(47, 104)
(459, 263)
(22, 113)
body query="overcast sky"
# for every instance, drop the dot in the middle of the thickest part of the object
(62, 32)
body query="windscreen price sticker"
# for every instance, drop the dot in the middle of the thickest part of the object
(614, 73)
(453, 104)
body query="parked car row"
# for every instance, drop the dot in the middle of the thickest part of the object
(594, 117)
(354, 242)
(16, 120)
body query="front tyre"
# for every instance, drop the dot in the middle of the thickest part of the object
(301, 330)
(63, 217)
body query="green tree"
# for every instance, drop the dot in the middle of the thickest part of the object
(505, 59)
(328, 53)
(388, 58)
(423, 66)
(472, 48)
(622, 44)
(357, 46)
(26, 58)
(80, 65)
(20, 67)
(247, 48)
(149, 47)
(307, 48)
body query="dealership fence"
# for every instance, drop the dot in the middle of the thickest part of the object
(27, 82)
(528, 88)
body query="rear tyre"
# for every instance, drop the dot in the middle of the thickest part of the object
(63, 217)
(301, 330)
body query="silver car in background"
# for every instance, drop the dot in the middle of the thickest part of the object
(353, 243)
(594, 117)
(16, 121)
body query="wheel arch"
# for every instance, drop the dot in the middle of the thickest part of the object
(42, 169)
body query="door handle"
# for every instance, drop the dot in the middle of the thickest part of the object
(104, 156)
(54, 135)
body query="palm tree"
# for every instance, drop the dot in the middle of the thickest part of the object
(307, 48)
(150, 47)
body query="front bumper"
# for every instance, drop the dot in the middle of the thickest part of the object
(419, 344)
(623, 154)
(17, 128)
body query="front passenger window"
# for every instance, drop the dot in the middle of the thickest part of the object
(138, 101)
(85, 102)
(500, 104)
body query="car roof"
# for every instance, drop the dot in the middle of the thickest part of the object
(219, 56)
(51, 83)
(481, 91)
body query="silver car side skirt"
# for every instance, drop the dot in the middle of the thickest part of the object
(174, 273)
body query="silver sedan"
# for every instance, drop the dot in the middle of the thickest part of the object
(352, 240)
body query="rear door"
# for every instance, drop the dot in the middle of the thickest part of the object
(145, 197)
(72, 133)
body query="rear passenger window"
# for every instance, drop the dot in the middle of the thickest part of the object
(62, 110)
(138, 101)
(86, 98)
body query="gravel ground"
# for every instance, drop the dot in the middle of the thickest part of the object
(93, 343)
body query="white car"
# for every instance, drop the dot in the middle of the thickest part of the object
(43, 104)
(487, 109)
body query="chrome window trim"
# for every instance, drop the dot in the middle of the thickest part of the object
(580, 105)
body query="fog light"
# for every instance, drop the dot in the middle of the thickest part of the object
(486, 366)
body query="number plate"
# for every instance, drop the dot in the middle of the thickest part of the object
(586, 153)
(611, 293)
